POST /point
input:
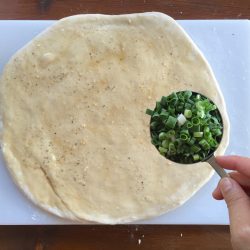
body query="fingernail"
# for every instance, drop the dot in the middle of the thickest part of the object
(225, 184)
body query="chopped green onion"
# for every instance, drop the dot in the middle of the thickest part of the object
(216, 132)
(184, 131)
(149, 112)
(164, 100)
(206, 130)
(199, 105)
(188, 113)
(171, 122)
(179, 108)
(195, 149)
(170, 133)
(198, 134)
(207, 135)
(201, 113)
(215, 120)
(195, 121)
(178, 142)
(153, 125)
(196, 157)
(171, 110)
(155, 115)
(164, 114)
(162, 136)
(204, 144)
(188, 106)
(172, 99)
(165, 143)
(199, 129)
(187, 94)
(172, 147)
(190, 102)
(196, 128)
(163, 150)
(189, 124)
(213, 143)
(181, 119)
(158, 106)
(181, 98)
(191, 141)
(184, 137)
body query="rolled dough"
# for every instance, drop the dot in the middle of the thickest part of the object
(75, 134)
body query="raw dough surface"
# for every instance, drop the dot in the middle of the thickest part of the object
(76, 137)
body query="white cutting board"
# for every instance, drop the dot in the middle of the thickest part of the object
(226, 45)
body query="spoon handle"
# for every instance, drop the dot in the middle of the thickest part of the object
(220, 171)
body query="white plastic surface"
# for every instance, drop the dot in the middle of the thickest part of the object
(226, 45)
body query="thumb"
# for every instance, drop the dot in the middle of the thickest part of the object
(238, 204)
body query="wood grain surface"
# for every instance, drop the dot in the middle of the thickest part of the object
(178, 9)
(114, 237)
(157, 237)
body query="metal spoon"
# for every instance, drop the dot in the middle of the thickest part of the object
(211, 158)
(219, 170)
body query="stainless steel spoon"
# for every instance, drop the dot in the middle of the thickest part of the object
(219, 170)
(211, 158)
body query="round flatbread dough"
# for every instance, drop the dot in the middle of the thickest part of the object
(75, 134)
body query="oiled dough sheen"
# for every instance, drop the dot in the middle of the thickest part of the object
(76, 137)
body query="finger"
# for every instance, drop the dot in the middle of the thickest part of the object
(238, 205)
(240, 178)
(236, 163)
(243, 180)
(217, 193)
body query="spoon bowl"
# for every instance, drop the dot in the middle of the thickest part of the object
(182, 109)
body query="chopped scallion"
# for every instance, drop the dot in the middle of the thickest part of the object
(149, 112)
(162, 150)
(198, 134)
(184, 137)
(188, 113)
(165, 143)
(181, 119)
(171, 122)
(196, 157)
(162, 136)
(199, 129)
(189, 124)
(195, 148)
(195, 121)
(205, 145)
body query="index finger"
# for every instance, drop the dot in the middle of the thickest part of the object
(236, 163)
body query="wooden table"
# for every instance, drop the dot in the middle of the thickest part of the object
(119, 237)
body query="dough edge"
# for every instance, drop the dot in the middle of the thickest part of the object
(110, 220)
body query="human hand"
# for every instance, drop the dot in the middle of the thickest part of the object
(236, 193)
